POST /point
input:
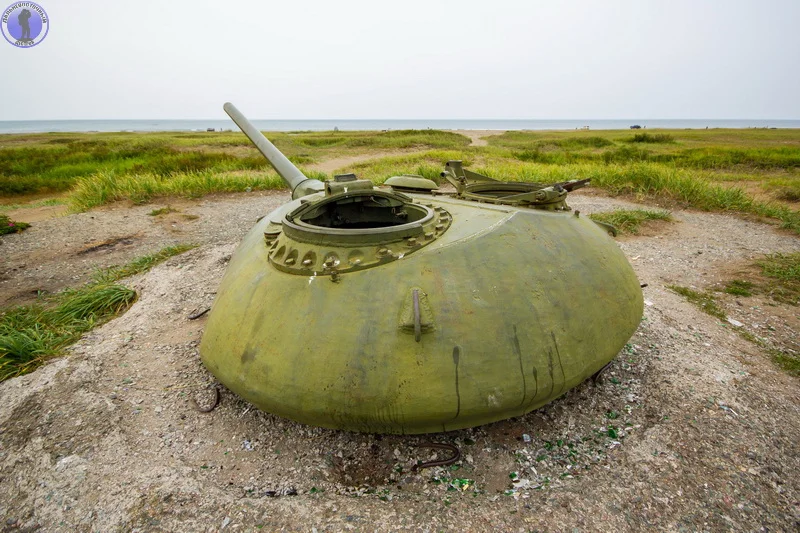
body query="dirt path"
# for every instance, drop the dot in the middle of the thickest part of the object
(478, 137)
(693, 428)
(36, 214)
(342, 163)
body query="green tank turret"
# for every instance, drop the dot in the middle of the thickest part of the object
(407, 309)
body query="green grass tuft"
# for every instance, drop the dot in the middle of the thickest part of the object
(654, 138)
(31, 334)
(786, 189)
(784, 270)
(788, 362)
(107, 187)
(162, 211)
(630, 220)
(141, 264)
(704, 300)
(739, 287)
(93, 302)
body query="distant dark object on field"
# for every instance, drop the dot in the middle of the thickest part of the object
(211, 129)
(636, 127)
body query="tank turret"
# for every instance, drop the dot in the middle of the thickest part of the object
(411, 309)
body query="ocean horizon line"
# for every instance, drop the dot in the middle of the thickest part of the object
(517, 124)
(151, 119)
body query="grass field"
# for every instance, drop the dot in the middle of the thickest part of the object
(753, 171)
(54, 162)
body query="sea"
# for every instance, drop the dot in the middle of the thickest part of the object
(44, 126)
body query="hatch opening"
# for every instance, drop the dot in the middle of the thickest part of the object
(363, 212)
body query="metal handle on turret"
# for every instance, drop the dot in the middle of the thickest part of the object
(296, 180)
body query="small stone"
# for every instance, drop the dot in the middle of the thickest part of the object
(526, 437)
(226, 522)
(736, 323)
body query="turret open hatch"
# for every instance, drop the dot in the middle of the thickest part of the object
(354, 226)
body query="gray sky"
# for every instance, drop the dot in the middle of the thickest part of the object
(348, 59)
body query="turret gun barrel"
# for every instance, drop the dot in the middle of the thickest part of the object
(300, 184)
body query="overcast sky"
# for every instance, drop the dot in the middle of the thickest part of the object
(348, 59)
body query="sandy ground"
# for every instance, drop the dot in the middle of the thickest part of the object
(693, 428)
(478, 137)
